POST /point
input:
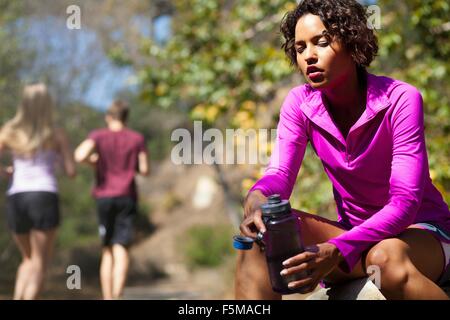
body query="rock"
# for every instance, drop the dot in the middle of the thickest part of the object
(359, 289)
(204, 192)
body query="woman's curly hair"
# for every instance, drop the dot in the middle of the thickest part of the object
(345, 20)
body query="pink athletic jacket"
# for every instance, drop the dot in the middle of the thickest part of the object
(380, 174)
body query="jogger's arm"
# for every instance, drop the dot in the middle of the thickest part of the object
(84, 151)
(144, 167)
(66, 153)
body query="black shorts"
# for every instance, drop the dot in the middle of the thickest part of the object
(32, 210)
(116, 217)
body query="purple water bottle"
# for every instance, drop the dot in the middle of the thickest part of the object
(282, 240)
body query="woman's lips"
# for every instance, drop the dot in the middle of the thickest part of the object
(316, 76)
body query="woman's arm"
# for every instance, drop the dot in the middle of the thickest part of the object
(285, 161)
(287, 156)
(409, 170)
(66, 153)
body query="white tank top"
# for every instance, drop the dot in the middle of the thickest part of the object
(35, 173)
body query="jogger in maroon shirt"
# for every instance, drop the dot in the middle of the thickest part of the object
(117, 153)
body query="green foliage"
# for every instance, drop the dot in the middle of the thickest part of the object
(12, 57)
(171, 201)
(220, 56)
(78, 211)
(156, 125)
(207, 246)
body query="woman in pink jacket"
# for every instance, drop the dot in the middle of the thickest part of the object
(368, 132)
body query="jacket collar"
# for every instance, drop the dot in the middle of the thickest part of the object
(377, 100)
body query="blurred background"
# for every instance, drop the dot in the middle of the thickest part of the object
(177, 61)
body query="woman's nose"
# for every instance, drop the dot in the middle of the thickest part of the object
(310, 55)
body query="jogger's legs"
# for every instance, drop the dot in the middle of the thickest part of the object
(120, 269)
(42, 242)
(23, 243)
(106, 273)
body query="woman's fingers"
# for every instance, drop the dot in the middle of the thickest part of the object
(309, 265)
(301, 283)
(299, 259)
(245, 227)
(253, 224)
(248, 227)
(308, 283)
(258, 221)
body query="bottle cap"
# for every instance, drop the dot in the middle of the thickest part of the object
(242, 243)
(275, 206)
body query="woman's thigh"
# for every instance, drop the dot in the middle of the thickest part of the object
(42, 242)
(315, 229)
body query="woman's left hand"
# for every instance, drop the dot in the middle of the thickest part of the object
(318, 261)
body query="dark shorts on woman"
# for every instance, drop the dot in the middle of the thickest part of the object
(116, 216)
(32, 210)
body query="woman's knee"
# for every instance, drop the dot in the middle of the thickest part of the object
(390, 259)
(26, 265)
(38, 262)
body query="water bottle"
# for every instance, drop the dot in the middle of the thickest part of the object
(281, 241)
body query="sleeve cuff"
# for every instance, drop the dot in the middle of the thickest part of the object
(261, 188)
(350, 255)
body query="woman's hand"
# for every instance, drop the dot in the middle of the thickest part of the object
(9, 170)
(318, 261)
(6, 171)
(253, 222)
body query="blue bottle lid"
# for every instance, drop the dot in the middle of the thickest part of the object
(242, 243)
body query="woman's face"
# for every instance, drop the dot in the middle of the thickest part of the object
(324, 63)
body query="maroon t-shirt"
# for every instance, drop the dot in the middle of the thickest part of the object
(118, 162)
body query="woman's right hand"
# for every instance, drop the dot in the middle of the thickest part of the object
(6, 171)
(253, 222)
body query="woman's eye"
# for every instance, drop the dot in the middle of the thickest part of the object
(323, 43)
(300, 49)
